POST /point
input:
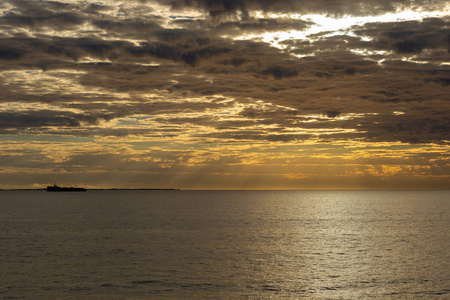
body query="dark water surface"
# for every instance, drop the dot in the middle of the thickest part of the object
(225, 245)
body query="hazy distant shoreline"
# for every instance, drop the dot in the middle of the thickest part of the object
(176, 189)
(96, 189)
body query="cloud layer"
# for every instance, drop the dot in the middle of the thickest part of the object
(234, 72)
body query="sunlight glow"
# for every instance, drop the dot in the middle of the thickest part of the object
(326, 26)
(325, 118)
(365, 52)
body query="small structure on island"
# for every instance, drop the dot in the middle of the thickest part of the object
(56, 188)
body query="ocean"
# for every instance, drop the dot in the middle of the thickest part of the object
(225, 245)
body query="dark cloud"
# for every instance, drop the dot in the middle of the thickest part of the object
(33, 14)
(408, 128)
(10, 54)
(279, 72)
(42, 18)
(261, 25)
(222, 7)
(42, 118)
(133, 27)
(409, 37)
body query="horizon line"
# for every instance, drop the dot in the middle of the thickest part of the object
(237, 189)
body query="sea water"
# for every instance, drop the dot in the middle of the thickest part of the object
(225, 245)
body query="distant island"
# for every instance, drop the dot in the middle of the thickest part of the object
(56, 188)
(51, 188)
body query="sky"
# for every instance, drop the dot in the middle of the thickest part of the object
(225, 94)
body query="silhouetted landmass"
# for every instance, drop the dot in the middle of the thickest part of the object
(111, 189)
(23, 189)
